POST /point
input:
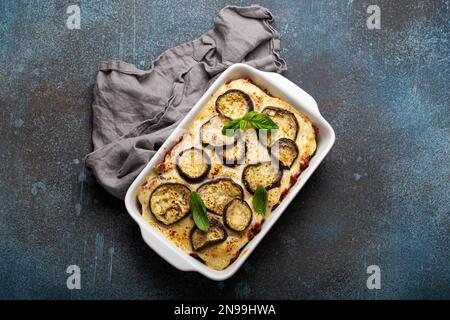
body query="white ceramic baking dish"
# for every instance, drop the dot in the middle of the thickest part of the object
(278, 86)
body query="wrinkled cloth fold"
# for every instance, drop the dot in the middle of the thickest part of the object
(134, 111)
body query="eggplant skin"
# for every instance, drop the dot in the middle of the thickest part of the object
(287, 122)
(286, 154)
(244, 212)
(259, 174)
(216, 234)
(216, 193)
(211, 133)
(196, 177)
(169, 202)
(234, 104)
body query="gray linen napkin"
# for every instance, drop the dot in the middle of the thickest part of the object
(134, 111)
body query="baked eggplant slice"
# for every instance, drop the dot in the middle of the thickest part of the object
(193, 164)
(234, 104)
(286, 121)
(234, 154)
(267, 174)
(211, 133)
(216, 234)
(237, 215)
(218, 192)
(169, 202)
(285, 151)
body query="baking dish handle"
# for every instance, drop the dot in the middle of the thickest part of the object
(292, 87)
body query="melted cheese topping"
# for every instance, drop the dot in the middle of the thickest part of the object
(219, 256)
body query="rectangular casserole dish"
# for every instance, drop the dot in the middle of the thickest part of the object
(278, 86)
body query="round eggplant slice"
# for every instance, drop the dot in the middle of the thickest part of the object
(193, 164)
(169, 202)
(211, 133)
(234, 154)
(286, 121)
(218, 192)
(285, 151)
(237, 215)
(234, 104)
(266, 174)
(216, 234)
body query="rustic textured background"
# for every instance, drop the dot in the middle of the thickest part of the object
(381, 196)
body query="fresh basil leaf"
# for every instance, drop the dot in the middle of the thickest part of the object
(198, 210)
(243, 124)
(260, 199)
(257, 120)
(231, 126)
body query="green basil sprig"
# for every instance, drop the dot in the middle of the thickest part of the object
(258, 120)
(260, 199)
(198, 210)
